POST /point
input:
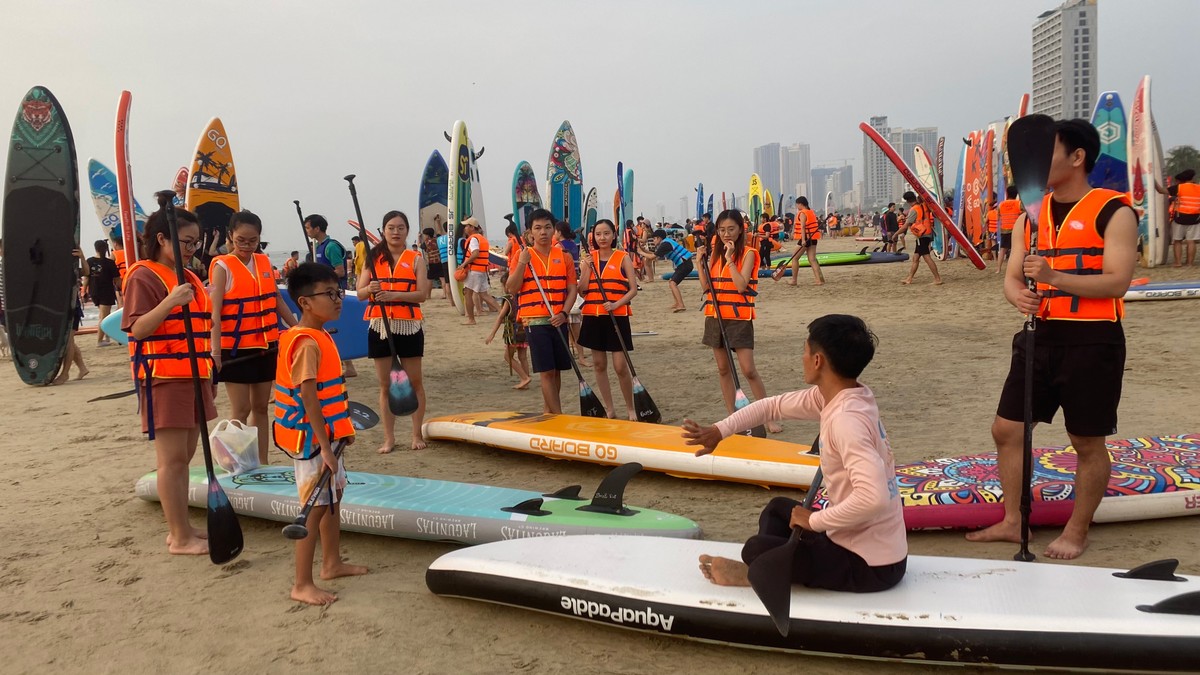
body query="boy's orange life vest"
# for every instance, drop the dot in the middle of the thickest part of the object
(292, 429)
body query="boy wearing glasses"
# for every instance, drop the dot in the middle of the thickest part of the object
(311, 413)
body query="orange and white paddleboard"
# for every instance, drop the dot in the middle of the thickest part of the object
(212, 189)
(657, 447)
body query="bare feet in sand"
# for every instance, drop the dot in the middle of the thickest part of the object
(1001, 531)
(312, 595)
(341, 569)
(196, 534)
(906, 282)
(1067, 546)
(192, 546)
(936, 283)
(419, 443)
(523, 384)
(387, 447)
(82, 374)
(724, 572)
(774, 427)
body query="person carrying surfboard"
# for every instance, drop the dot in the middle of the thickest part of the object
(545, 275)
(608, 291)
(857, 542)
(1083, 259)
(920, 223)
(806, 231)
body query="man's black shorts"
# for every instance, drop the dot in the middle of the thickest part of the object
(1083, 379)
(1006, 241)
(923, 244)
(681, 271)
(548, 351)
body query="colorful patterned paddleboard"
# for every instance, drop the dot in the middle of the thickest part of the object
(525, 197)
(927, 174)
(1112, 166)
(1145, 170)
(431, 201)
(212, 192)
(433, 510)
(564, 173)
(1151, 478)
(103, 184)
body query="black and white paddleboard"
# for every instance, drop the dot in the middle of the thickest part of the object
(946, 610)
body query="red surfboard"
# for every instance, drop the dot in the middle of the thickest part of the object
(911, 178)
(125, 178)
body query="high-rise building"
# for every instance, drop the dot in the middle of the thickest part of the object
(766, 165)
(1064, 60)
(905, 141)
(794, 167)
(838, 179)
(877, 170)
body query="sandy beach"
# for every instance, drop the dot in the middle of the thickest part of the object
(87, 584)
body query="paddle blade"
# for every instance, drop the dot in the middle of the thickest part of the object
(643, 405)
(224, 531)
(402, 398)
(589, 403)
(1030, 151)
(362, 417)
(295, 531)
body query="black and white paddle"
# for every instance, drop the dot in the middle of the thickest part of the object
(401, 397)
(740, 400)
(1030, 151)
(224, 531)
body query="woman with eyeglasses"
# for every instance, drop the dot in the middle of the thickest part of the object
(162, 371)
(395, 281)
(245, 339)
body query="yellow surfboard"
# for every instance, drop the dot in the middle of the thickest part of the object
(212, 187)
(755, 207)
(768, 204)
(656, 447)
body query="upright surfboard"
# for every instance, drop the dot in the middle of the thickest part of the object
(458, 203)
(212, 192)
(477, 211)
(525, 197)
(828, 203)
(179, 186)
(102, 183)
(1145, 171)
(564, 173)
(431, 198)
(959, 198)
(627, 212)
(1112, 165)
(927, 174)
(768, 204)
(125, 178)
(755, 197)
(912, 180)
(591, 213)
(699, 201)
(40, 229)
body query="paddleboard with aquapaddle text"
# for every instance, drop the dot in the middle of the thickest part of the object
(431, 198)
(525, 195)
(103, 185)
(212, 191)
(129, 226)
(1145, 171)
(437, 510)
(564, 175)
(40, 229)
(955, 611)
(755, 197)
(912, 180)
(1112, 165)
(1151, 478)
(1164, 290)
(927, 174)
(459, 203)
(739, 459)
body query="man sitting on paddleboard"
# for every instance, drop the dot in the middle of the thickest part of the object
(857, 542)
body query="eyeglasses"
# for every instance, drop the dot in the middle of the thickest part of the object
(238, 241)
(190, 245)
(333, 294)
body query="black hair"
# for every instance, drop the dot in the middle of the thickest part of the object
(605, 221)
(317, 221)
(891, 204)
(910, 197)
(381, 250)
(845, 340)
(156, 224)
(428, 232)
(306, 276)
(510, 231)
(244, 217)
(660, 233)
(101, 247)
(564, 230)
(536, 215)
(1079, 135)
(295, 253)
(803, 201)
(739, 244)
(355, 239)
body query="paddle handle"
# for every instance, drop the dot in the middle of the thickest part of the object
(312, 256)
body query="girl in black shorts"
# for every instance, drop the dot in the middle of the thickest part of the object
(607, 286)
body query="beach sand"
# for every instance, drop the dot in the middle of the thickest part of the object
(87, 584)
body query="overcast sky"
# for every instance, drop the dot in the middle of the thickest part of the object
(679, 91)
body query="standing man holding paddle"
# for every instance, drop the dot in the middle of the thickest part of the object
(806, 231)
(1082, 261)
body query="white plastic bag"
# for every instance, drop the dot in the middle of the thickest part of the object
(235, 446)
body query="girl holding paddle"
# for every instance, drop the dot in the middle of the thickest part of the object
(246, 337)
(608, 292)
(394, 276)
(733, 273)
(158, 347)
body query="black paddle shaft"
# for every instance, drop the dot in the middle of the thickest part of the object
(225, 533)
(604, 294)
(312, 255)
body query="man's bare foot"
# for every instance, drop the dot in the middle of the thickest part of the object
(523, 384)
(1067, 547)
(774, 427)
(197, 533)
(419, 443)
(724, 572)
(386, 448)
(939, 282)
(311, 595)
(469, 323)
(818, 283)
(192, 546)
(83, 373)
(342, 569)
(1001, 531)
(792, 283)
(906, 282)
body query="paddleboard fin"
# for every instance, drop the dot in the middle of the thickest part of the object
(610, 496)
(570, 492)
(1159, 570)
(529, 507)
(1184, 603)
(864, 250)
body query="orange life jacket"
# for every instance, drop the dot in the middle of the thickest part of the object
(291, 428)
(119, 258)
(923, 225)
(1188, 202)
(402, 278)
(552, 273)
(735, 305)
(1010, 210)
(993, 218)
(1076, 248)
(514, 251)
(609, 287)
(481, 260)
(812, 226)
(248, 314)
